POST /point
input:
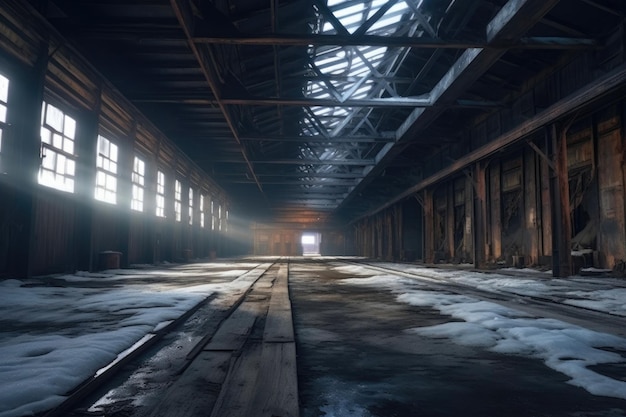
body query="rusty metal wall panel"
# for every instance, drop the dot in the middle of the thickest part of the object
(53, 233)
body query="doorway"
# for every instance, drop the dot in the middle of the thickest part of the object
(310, 242)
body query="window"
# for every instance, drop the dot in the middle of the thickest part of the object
(58, 161)
(106, 171)
(4, 98)
(212, 215)
(178, 201)
(160, 194)
(226, 222)
(190, 206)
(138, 180)
(219, 216)
(202, 210)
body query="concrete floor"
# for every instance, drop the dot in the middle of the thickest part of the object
(355, 359)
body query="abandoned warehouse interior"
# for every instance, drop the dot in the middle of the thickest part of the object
(489, 132)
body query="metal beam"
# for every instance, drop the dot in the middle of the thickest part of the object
(614, 82)
(313, 182)
(513, 20)
(393, 41)
(319, 139)
(358, 162)
(328, 102)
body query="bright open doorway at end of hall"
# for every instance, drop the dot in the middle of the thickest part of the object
(310, 243)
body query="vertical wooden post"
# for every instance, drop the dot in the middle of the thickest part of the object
(429, 232)
(495, 202)
(87, 129)
(480, 215)
(561, 251)
(125, 191)
(531, 236)
(545, 225)
(449, 221)
(24, 166)
(468, 221)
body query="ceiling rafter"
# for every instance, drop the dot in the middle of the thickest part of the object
(535, 42)
(513, 20)
(184, 15)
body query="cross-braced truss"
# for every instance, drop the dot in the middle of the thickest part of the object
(323, 107)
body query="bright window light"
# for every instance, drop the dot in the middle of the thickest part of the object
(160, 194)
(190, 206)
(106, 171)
(58, 161)
(138, 180)
(308, 239)
(4, 99)
(178, 203)
(202, 197)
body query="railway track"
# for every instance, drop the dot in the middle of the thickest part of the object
(539, 305)
(173, 342)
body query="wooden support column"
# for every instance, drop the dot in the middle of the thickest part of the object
(449, 221)
(24, 165)
(480, 215)
(561, 251)
(388, 231)
(87, 130)
(531, 232)
(429, 232)
(154, 222)
(125, 190)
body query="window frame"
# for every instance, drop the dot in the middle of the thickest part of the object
(4, 110)
(138, 185)
(160, 194)
(107, 161)
(201, 208)
(178, 200)
(59, 170)
(190, 207)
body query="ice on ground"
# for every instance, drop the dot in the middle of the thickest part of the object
(566, 348)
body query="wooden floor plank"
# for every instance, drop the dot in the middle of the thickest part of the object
(233, 333)
(240, 386)
(195, 393)
(277, 383)
(279, 325)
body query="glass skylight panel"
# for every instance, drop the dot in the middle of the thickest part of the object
(353, 72)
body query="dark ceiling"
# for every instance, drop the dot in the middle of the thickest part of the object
(324, 109)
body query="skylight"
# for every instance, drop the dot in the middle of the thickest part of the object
(351, 73)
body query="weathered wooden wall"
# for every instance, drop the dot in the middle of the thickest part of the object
(501, 201)
(44, 230)
(270, 240)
